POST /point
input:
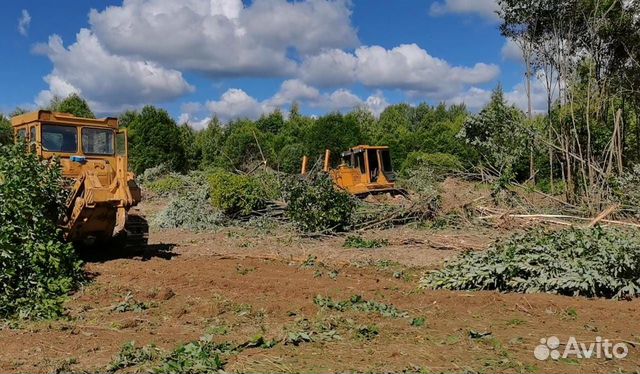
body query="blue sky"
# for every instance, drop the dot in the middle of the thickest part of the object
(199, 58)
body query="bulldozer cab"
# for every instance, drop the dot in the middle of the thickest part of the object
(79, 143)
(93, 158)
(373, 163)
(363, 170)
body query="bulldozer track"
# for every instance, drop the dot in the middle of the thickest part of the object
(136, 231)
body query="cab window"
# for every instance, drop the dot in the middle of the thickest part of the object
(59, 139)
(22, 135)
(97, 141)
(386, 161)
(360, 161)
(32, 138)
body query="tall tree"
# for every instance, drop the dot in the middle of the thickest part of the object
(154, 139)
(497, 133)
(210, 142)
(72, 104)
(334, 132)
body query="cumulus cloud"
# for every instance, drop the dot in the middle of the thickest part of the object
(406, 67)
(135, 53)
(476, 98)
(110, 82)
(511, 51)
(293, 90)
(236, 103)
(225, 38)
(376, 103)
(190, 114)
(24, 22)
(482, 8)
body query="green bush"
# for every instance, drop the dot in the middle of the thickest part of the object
(37, 270)
(167, 185)
(236, 194)
(441, 163)
(317, 206)
(6, 133)
(595, 262)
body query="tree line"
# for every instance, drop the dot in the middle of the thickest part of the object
(585, 52)
(282, 139)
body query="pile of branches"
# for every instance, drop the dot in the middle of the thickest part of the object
(591, 262)
(400, 211)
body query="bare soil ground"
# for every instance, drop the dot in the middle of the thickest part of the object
(242, 282)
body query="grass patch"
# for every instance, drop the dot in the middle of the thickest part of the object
(359, 304)
(357, 241)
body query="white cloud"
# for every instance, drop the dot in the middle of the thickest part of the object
(376, 103)
(110, 82)
(24, 22)
(194, 122)
(191, 115)
(476, 98)
(330, 68)
(236, 103)
(338, 100)
(511, 51)
(293, 90)
(224, 38)
(482, 8)
(135, 54)
(518, 95)
(406, 67)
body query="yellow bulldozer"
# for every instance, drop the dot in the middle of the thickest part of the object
(363, 170)
(93, 157)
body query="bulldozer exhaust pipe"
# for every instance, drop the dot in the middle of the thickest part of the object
(327, 160)
(305, 162)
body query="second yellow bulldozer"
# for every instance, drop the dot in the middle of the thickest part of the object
(93, 157)
(363, 170)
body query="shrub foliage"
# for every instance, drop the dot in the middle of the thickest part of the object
(37, 270)
(595, 262)
(317, 206)
(236, 194)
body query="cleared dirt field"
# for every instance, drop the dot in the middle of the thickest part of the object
(240, 283)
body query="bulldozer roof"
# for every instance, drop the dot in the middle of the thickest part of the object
(361, 148)
(62, 118)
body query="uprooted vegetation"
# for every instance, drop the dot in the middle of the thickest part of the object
(210, 199)
(37, 270)
(591, 262)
